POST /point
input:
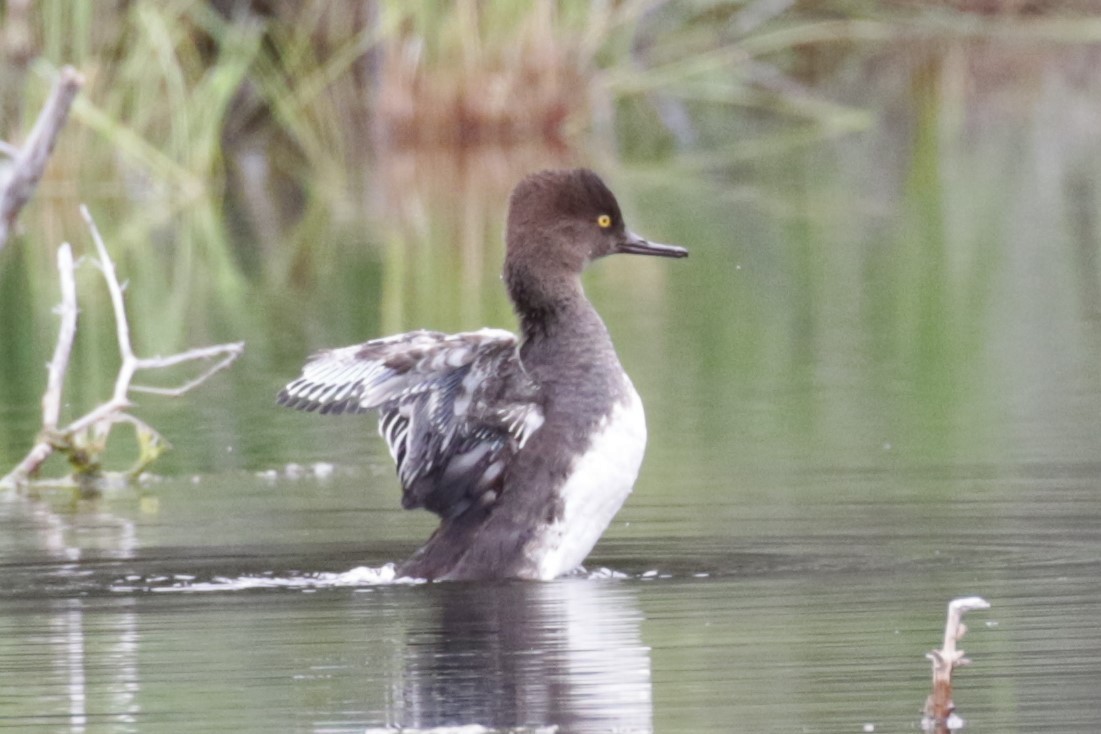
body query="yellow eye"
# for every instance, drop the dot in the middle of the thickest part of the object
(604, 221)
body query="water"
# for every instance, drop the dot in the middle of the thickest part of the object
(779, 617)
(872, 388)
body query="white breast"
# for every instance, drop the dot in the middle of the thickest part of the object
(597, 487)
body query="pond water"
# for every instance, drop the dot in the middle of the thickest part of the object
(875, 386)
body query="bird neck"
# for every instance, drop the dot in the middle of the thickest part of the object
(542, 292)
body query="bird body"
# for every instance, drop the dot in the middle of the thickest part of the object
(525, 448)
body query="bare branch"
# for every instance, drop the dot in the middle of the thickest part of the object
(122, 326)
(35, 458)
(156, 363)
(55, 381)
(67, 439)
(101, 413)
(230, 351)
(59, 365)
(30, 161)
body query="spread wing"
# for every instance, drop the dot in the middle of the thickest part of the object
(452, 408)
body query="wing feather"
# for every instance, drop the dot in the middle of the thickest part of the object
(453, 409)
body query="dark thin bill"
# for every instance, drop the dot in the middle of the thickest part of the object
(636, 245)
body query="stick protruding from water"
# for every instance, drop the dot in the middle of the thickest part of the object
(939, 706)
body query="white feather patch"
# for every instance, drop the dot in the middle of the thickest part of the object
(597, 487)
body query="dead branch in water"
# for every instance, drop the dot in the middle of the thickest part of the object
(29, 162)
(939, 706)
(84, 439)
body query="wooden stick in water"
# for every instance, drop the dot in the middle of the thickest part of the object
(939, 705)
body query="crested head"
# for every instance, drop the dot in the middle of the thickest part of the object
(559, 222)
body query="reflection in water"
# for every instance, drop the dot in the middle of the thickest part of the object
(85, 671)
(95, 631)
(812, 619)
(73, 636)
(566, 654)
(563, 656)
(99, 673)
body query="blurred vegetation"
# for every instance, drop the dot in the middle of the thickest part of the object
(294, 100)
(182, 94)
(309, 173)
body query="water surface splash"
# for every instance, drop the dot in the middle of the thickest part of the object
(361, 576)
(306, 582)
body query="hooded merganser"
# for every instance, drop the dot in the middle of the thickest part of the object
(526, 448)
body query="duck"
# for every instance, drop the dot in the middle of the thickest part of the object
(524, 445)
